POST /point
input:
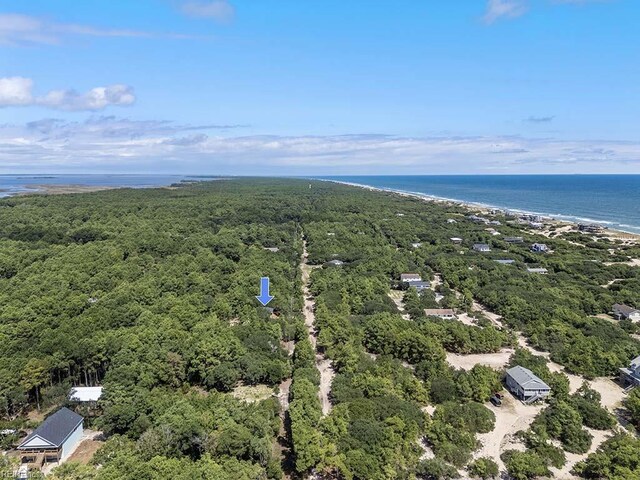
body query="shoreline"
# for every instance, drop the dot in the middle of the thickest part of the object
(61, 189)
(568, 220)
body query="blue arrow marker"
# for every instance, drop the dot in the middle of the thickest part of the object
(264, 298)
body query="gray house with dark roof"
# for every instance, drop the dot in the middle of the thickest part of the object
(630, 377)
(525, 385)
(419, 285)
(625, 312)
(56, 437)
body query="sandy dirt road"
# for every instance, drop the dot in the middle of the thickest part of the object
(323, 364)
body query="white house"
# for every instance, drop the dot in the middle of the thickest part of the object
(481, 247)
(410, 277)
(56, 437)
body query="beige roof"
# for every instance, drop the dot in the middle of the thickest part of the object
(436, 312)
(406, 277)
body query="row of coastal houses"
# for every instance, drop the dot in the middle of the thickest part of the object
(536, 247)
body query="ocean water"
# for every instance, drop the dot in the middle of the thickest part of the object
(609, 200)
(12, 184)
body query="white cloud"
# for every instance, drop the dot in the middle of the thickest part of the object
(113, 144)
(17, 91)
(503, 9)
(497, 9)
(219, 10)
(535, 119)
(23, 30)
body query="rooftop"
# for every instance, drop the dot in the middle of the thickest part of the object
(85, 394)
(527, 379)
(624, 309)
(537, 270)
(436, 312)
(408, 277)
(56, 428)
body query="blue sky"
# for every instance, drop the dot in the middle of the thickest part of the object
(320, 86)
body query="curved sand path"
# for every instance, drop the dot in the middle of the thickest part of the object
(323, 364)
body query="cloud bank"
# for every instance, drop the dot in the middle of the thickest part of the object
(18, 92)
(18, 30)
(108, 144)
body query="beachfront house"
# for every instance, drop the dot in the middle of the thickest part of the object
(456, 240)
(525, 385)
(539, 248)
(538, 270)
(481, 247)
(54, 439)
(506, 261)
(419, 285)
(416, 245)
(445, 313)
(630, 377)
(625, 312)
(272, 249)
(410, 277)
(451, 220)
(590, 228)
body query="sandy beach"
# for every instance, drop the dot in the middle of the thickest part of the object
(609, 233)
(50, 189)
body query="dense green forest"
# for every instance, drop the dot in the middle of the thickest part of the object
(151, 293)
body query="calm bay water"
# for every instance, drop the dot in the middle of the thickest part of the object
(12, 184)
(611, 200)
